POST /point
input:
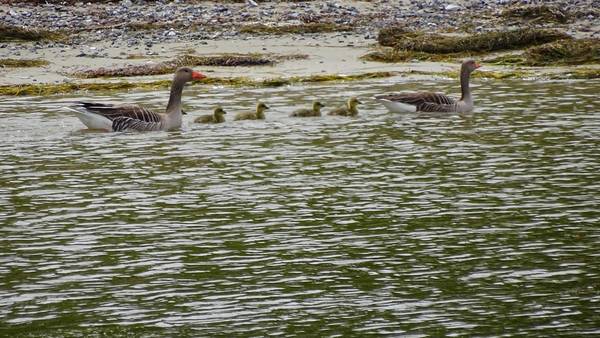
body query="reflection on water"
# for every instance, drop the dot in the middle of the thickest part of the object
(473, 224)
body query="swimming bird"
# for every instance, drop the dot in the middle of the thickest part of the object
(122, 117)
(315, 111)
(433, 102)
(349, 109)
(258, 115)
(216, 117)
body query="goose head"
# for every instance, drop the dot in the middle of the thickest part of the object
(219, 115)
(219, 111)
(261, 107)
(470, 65)
(353, 102)
(186, 74)
(317, 106)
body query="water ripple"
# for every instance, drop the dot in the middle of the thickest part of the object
(396, 225)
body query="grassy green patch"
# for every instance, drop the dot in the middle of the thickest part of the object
(18, 63)
(145, 69)
(316, 27)
(393, 55)
(507, 60)
(166, 67)
(140, 56)
(544, 13)
(512, 74)
(141, 26)
(580, 73)
(225, 60)
(12, 33)
(50, 89)
(557, 53)
(415, 41)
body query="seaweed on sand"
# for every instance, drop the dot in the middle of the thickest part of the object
(166, 67)
(14, 33)
(316, 27)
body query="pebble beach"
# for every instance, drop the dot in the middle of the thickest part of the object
(105, 34)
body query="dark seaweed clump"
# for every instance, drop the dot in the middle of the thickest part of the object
(13, 33)
(545, 13)
(564, 52)
(557, 53)
(403, 39)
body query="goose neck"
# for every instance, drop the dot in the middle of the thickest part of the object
(174, 104)
(464, 84)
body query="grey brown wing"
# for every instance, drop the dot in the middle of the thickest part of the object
(111, 111)
(417, 99)
(429, 107)
(123, 123)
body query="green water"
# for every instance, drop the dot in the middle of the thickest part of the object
(481, 224)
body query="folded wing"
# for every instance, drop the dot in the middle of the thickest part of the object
(418, 98)
(126, 123)
(423, 101)
(130, 111)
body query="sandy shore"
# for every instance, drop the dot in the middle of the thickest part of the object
(100, 35)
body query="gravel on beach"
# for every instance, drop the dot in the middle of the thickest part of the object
(140, 22)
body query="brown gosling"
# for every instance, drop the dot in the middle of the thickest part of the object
(349, 109)
(258, 115)
(315, 111)
(216, 117)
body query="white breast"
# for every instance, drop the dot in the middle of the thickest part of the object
(398, 107)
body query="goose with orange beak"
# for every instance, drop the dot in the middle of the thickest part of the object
(125, 117)
(434, 102)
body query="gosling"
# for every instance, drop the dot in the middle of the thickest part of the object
(258, 115)
(349, 109)
(218, 116)
(316, 111)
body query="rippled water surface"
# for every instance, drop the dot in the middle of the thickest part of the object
(424, 225)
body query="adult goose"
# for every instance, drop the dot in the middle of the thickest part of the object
(315, 111)
(218, 116)
(258, 115)
(349, 109)
(122, 117)
(433, 102)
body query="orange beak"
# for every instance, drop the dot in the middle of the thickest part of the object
(477, 65)
(197, 75)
